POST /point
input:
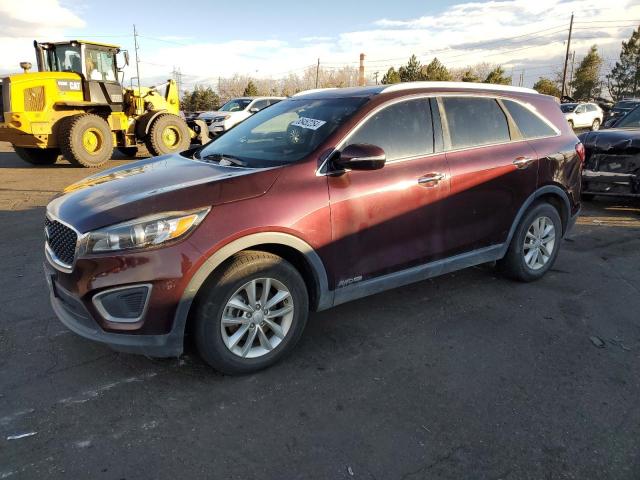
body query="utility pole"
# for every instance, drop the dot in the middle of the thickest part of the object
(135, 44)
(566, 61)
(521, 82)
(177, 76)
(573, 64)
(361, 71)
(317, 72)
(376, 76)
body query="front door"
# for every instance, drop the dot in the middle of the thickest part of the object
(389, 219)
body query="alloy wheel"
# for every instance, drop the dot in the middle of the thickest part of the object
(539, 243)
(257, 318)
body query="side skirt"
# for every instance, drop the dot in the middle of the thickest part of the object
(419, 273)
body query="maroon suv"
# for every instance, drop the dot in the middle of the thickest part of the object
(323, 198)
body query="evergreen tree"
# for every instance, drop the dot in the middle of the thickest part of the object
(497, 76)
(392, 76)
(469, 76)
(547, 86)
(624, 78)
(200, 99)
(251, 90)
(412, 71)
(435, 71)
(587, 77)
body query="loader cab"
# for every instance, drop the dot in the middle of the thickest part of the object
(96, 63)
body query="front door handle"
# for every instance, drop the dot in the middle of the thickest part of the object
(523, 162)
(431, 179)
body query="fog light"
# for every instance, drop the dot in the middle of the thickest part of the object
(123, 304)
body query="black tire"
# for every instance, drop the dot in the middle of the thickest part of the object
(38, 156)
(571, 124)
(129, 152)
(513, 264)
(71, 132)
(243, 268)
(168, 134)
(595, 126)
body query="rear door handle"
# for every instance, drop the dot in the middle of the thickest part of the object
(430, 179)
(523, 162)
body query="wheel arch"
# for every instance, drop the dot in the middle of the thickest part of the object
(553, 194)
(293, 249)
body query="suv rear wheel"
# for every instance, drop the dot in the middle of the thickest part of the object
(535, 244)
(252, 313)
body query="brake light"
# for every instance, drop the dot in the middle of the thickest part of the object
(580, 151)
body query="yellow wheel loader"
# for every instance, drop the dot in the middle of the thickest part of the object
(75, 106)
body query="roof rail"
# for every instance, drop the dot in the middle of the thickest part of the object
(466, 85)
(313, 90)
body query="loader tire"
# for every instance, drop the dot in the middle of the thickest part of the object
(38, 156)
(168, 134)
(85, 140)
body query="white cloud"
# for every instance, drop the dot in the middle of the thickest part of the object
(463, 34)
(22, 21)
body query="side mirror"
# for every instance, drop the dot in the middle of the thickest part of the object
(361, 156)
(254, 110)
(126, 57)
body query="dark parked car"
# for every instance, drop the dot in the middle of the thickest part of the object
(618, 111)
(323, 198)
(612, 165)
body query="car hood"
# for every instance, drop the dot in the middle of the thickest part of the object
(220, 113)
(612, 140)
(166, 183)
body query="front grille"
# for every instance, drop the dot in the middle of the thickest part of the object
(61, 240)
(34, 99)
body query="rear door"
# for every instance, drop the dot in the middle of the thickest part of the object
(389, 219)
(493, 171)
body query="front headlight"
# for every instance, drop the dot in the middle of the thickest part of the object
(144, 232)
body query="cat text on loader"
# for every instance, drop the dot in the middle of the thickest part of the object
(75, 106)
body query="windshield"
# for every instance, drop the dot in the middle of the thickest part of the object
(63, 58)
(568, 107)
(283, 133)
(630, 120)
(235, 105)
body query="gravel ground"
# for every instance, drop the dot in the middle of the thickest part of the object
(465, 376)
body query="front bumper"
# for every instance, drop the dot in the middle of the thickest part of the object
(76, 317)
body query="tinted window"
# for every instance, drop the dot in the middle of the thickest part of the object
(530, 125)
(260, 104)
(591, 108)
(568, 107)
(475, 121)
(401, 130)
(273, 101)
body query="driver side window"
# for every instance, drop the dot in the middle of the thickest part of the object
(402, 130)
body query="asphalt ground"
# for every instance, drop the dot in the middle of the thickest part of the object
(466, 376)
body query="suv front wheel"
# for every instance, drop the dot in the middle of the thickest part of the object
(251, 314)
(535, 244)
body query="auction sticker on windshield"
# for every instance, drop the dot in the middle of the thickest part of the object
(310, 123)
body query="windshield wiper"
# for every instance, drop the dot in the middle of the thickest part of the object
(223, 159)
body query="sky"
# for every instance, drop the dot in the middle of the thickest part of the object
(207, 39)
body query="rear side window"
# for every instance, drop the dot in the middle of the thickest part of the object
(530, 125)
(475, 121)
(402, 130)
